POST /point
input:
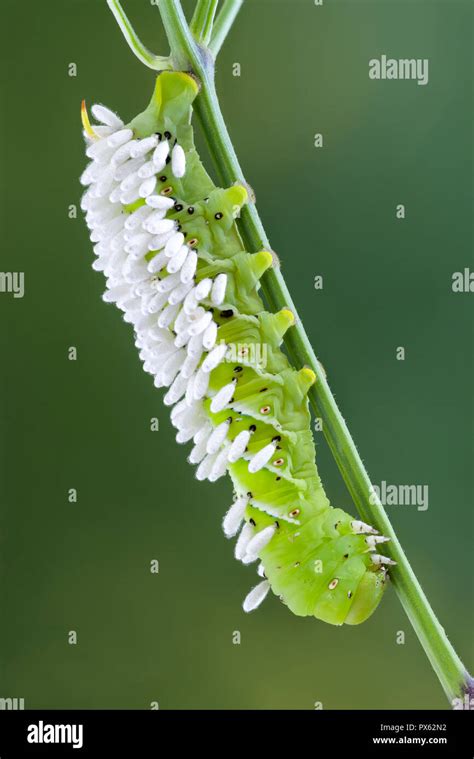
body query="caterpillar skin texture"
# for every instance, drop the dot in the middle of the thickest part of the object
(166, 239)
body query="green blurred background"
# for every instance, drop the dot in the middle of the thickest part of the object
(85, 424)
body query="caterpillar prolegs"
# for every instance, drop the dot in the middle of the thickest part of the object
(167, 241)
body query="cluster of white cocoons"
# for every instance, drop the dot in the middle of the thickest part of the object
(172, 316)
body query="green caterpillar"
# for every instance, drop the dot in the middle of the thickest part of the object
(166, 239)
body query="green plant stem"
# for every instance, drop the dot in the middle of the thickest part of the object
(155, 62)
(223, 23)
(188, 56)
(202, 20)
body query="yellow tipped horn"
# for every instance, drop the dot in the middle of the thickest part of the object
(86, 123)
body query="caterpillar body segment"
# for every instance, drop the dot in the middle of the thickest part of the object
(167, 242)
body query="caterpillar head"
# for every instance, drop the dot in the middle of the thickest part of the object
(169, 107)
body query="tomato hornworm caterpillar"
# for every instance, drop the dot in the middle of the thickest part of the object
(166, 239)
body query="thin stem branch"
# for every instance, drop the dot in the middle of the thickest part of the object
(155, 62)
(223, 23)
(188, 56)
(184, 52)
(202, 20)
